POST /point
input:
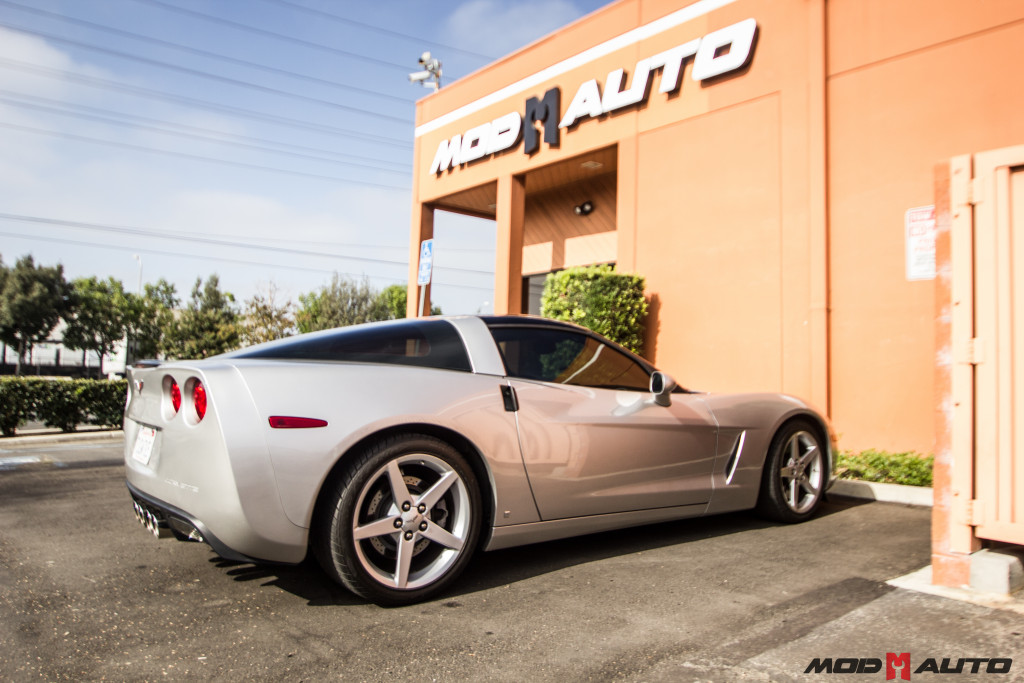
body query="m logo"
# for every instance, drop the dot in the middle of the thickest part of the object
(897, 663)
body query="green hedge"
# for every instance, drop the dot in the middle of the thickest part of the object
(61, 403)
(600, 299)
(909, 469)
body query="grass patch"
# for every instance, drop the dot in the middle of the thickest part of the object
(909, 469)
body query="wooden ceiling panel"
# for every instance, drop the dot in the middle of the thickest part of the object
(582, 167)
(480, 201)
(477, 201)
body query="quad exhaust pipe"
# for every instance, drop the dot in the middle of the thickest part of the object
(162, 525)
(152, 520)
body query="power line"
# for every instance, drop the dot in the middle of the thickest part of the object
(139, 91)
(351, 245)
(377, 29)
(204, 53)
(194, 157)
(206, 138)
(211, 76)
(147, 250)
(202, 257)
(125, 230)
(273, 34)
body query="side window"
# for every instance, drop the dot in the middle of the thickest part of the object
(567, 358)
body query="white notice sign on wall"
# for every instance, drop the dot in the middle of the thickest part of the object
(919, 226)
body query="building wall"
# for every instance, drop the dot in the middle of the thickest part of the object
(910, 84)
(766, 207)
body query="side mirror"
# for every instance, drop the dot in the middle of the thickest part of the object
(662, 386)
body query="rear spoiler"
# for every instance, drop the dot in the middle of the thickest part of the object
(152, 363)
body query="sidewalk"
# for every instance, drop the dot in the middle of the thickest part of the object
(46, 448)
(30, 437)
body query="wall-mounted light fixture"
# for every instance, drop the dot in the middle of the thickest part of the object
(583, 209)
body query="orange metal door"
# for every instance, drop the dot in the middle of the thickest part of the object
(997, 509)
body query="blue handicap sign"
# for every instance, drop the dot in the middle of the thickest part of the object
(426, 262)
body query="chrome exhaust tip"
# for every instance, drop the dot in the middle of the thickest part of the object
(151, 521)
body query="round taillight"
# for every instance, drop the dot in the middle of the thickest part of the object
(199, 399)
(175, 396)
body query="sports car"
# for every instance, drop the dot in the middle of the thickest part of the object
(394, 451)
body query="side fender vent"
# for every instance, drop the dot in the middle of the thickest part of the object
(734, 458)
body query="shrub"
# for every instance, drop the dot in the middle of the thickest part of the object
(58, 405)
(600, 299)
(911, 469)
(104, 401)
(17, 402)
(64, 404)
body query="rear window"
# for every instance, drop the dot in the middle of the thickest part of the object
(427, 344)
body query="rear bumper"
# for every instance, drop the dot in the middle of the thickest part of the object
(160, 517)
(186, 475)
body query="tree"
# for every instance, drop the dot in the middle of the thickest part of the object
(3, 281)
(97, 316)
(343, 302)
(390, 303)
(347, 302)
(265, 320)
(150, 318)
(32, 301)
(208, 326)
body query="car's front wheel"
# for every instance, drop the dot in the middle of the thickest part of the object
(795, 474)
(401, 522)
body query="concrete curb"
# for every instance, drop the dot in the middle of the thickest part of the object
(35, 439)
(921, 581)
(885, 493)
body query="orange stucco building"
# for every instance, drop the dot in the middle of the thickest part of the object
(757, 161)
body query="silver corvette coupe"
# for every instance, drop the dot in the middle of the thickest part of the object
(396, 450)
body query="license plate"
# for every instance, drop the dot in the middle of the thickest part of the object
(143, 448)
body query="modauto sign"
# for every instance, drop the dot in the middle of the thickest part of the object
(897, 665)
(715, 54)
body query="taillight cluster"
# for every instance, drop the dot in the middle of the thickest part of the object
(199, 399)
(195, 389)
(175, 396)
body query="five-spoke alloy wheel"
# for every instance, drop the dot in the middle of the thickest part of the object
(795, 474)
(401, 522)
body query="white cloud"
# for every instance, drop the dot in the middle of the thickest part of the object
(64, 178)
(24, 58)
(496, 27)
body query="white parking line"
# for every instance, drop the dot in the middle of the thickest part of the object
(15, 461)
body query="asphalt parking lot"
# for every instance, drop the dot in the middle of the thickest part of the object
(86, 594)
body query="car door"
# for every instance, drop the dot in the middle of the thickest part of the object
(592, 438)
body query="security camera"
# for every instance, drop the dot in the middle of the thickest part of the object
(431, 70)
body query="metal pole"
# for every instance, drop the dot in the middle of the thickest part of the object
(423, 298)
(139, 259)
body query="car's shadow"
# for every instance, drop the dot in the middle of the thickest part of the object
(492, 569)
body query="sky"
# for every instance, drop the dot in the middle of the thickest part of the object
(266, 141)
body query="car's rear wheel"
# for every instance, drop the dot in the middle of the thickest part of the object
(795, 474)
(401, 522)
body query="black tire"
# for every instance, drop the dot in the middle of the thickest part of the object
(795, 474)
(436, 532)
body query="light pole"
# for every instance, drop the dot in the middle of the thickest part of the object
(139, 259)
